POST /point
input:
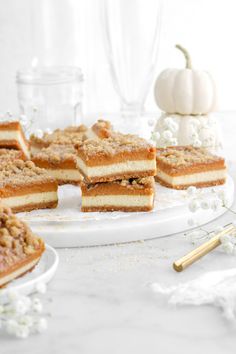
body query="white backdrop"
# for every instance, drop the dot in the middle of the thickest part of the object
(69, 32)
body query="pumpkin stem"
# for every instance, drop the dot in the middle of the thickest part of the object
(187, 56)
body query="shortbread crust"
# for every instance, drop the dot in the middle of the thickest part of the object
(20, 249)
(182, 166)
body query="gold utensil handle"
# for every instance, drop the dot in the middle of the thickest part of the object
(200, 251)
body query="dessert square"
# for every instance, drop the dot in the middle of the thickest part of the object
(125, 195)
(183, 166)
(60, 162)
(25, 187)
(102, 129)
(20, 249)
(11, 155)
(70, 135)
(12, 137)
(117, 157)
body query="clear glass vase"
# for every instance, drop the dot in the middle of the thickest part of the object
(50, 96)
(132, 32)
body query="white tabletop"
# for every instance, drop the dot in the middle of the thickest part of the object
(101, 301)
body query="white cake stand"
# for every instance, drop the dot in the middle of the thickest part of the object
(66, 226)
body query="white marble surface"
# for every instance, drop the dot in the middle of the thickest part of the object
(102, 303)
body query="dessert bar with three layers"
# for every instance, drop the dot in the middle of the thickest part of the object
(183, 166)
(20, 249)
(12, 137)
(25, 187)
(60, 161)
(135, 194)
(117, 157)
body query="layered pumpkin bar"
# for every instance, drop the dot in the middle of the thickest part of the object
(11, 155)
(117, 157)
(60, 162)
(70, 135)
(183, 166)
(12, 137)
(134, 194)
(102, 129)
(24, 186)
(20, 249)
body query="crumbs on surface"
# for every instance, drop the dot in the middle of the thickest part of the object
(10, 154)
(16, 239)
(56, 153)
(186, 156)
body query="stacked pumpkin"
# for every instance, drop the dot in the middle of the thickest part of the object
(187, 98)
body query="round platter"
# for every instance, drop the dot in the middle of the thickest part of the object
(66, 226)
(42, 273)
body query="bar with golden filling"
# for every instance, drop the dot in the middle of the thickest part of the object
(70, 135)
(60, 162)
(20, 249)
(183, 166)
(102, 129)
(117, 157)
(13, 137)
(25, 187)
(11, 155)
(122, 195)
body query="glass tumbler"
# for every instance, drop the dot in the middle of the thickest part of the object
(50, 97)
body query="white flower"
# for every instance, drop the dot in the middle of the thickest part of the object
(197, 143)
(22, 331)
(228, 247)
(41, 288)
(205, 205)
(38, 133)
(41, 325)
(193, 206)
(26, 320)
(37, 305)
(167, 122)
(11, 326)
(155, 136)
(191, 190)
(21, 305)
(167, 134)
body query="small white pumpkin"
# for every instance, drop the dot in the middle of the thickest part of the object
(185, 91)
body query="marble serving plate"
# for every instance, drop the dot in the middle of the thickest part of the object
(67, 226)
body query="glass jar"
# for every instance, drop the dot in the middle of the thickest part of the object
(50, 97)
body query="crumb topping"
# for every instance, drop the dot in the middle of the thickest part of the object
(134, 183)
(185, 156)
(56, 153)
(16, 239)
(70, 135)
(118, 143)
(9, 155)
(20, 172)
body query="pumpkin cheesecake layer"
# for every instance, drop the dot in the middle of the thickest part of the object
(25, 187)
(20, 249)
(12, 137)
(102, 129)
(60, 162)
(117, 157)
(183, 166)
(124, 195)
(70, 135)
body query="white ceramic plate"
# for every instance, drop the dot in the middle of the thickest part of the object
(42, 273)
(66, 226)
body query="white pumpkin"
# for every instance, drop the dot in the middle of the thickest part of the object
(198, 131)
(185, 91)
